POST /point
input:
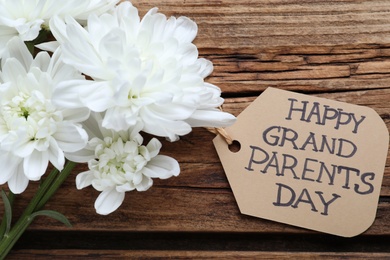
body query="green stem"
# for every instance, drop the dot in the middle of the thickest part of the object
(3, 225)
(24, 221)
(40, 193)
(44, 193)
(56, 184)
(9, 240)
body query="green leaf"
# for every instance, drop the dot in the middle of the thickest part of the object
(7, 211)
(53, 214)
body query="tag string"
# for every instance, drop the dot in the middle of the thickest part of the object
(222, 132)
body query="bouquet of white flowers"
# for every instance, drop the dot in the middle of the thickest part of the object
(87, 96)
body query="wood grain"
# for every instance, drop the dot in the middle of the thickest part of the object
(305, 69)
(336, 49)
(270, 23)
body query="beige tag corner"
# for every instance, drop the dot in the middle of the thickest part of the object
(307, 161)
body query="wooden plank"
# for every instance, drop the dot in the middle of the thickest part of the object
(308, 69)
(239, 24)
(139, 254)
(297, 68)
(310, 46)
(171, 209)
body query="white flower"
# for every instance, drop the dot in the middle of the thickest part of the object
(118, 162)
(25, 18)
(34, 131)
(143, 71)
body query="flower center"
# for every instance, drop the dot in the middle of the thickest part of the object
(25, 112)
(133, 94)
(117, 157)
(33, 114)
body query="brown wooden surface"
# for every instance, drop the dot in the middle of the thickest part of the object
(333, 49)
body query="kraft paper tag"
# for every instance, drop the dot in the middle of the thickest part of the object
(307, 161)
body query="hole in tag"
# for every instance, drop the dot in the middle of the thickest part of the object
(235, 147)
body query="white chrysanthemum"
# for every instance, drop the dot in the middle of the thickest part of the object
(25, 18)
(34, 131)
(143, 70)
(118, 162)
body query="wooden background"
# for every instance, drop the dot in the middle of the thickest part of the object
(333, 49)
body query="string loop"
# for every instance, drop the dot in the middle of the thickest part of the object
(221, 131)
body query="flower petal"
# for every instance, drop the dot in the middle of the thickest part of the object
(11, 70)
(70, 137)
(161, 126)
(154, 147)
(79, 93)
(81, 156)
(162, 167)
(211, 118)
(76, 115)
(35, 165)
(186, 29)
(56, 155)
(48, 46)
(125, 187)
(18, 49)
(77, 48)
(12, 162)
(205, 67)
(18, 182)
(108, 201)
(145, 184)
(84, 179)
(119, 119)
